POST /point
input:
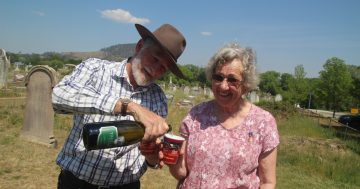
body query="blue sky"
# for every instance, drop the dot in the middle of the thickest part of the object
(284, 33)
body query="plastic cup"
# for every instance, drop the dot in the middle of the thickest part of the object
(171, 148)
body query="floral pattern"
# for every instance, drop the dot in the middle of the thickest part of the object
(226, 158)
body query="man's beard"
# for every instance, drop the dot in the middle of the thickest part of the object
(141, 78)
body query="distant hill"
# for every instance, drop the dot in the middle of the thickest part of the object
(122, 50)
(114, 53)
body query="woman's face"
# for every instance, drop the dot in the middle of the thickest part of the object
(227, 83)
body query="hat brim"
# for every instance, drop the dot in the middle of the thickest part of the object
(145, 33)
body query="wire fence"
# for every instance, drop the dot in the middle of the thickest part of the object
(341, 130)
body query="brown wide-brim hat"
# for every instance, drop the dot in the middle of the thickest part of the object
(170, 40)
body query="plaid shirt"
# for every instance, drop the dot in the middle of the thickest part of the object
(90, 93)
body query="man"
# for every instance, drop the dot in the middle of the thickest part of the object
(100, 90)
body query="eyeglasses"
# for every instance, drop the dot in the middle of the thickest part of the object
(230, 79)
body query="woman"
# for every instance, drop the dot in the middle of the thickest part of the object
(230, 142)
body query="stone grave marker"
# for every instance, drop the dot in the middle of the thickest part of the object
(39, 114)
(195, 91)
(170, 99)
(4, 68)
(187, 90)
(278, 98)
(254, 97)
(208, 92)
(163, 86)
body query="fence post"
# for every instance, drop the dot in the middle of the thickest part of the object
(347, 124)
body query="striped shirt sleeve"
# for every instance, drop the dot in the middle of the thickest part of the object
(77, 93)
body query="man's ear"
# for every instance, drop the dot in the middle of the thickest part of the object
(139, 45)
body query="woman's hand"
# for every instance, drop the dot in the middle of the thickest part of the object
(179, 170)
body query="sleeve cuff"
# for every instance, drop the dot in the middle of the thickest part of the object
(156, 166)
(107, 103)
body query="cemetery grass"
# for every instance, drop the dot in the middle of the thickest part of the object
(308, 156)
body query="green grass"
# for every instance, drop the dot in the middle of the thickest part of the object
(303, 126)
(309, 156)
(315, 156)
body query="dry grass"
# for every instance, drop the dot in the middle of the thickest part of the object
(306, 157)
(23, 164)
(27, 165)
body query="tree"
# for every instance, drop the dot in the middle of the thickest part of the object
(313, 84)
(270, 82)
(298, 87)
(355, 92)
(336, 83)
(285, 80)
(299, 72)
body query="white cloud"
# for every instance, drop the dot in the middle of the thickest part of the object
(38, 13)
(123, 16)
(206, 33)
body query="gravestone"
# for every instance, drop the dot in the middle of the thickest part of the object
(163, 86)
(39, 114)
(208, 92)
(254, 97)
(170, 81)
(195, 91)
(4, 67)
(278, 98)
(187, 90)
(170, 99)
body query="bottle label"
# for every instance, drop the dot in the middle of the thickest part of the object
(120, 141)
(107, 137)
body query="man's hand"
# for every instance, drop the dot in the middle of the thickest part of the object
(151, 151)
(155, 125)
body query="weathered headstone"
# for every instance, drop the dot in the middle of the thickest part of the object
(39, 114)
(4, 67)
(163, 86)
(208, 92)
(278, 98)
(187, 90)
(254, 97)
(184, 103)
(170, 82)
(170, 99)
(267, 97)
(195, 91)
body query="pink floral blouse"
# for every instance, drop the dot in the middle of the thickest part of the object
(226, 158)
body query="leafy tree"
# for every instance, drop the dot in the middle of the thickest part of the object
(315, 101)
(355, 92)
(285, 80)
(336, 84)
(298, 87)
(299, 72)
(202, 78)
(270, 82)
(33, 59)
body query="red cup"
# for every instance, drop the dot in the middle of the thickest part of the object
(171, 148)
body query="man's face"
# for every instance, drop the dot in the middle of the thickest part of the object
(149, 64)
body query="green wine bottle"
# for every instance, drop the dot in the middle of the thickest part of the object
(101, 135)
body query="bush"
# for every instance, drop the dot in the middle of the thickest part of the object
(278, 109)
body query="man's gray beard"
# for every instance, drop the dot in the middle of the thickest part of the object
(140, 77)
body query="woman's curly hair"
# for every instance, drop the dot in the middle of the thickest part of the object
(233, 51)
